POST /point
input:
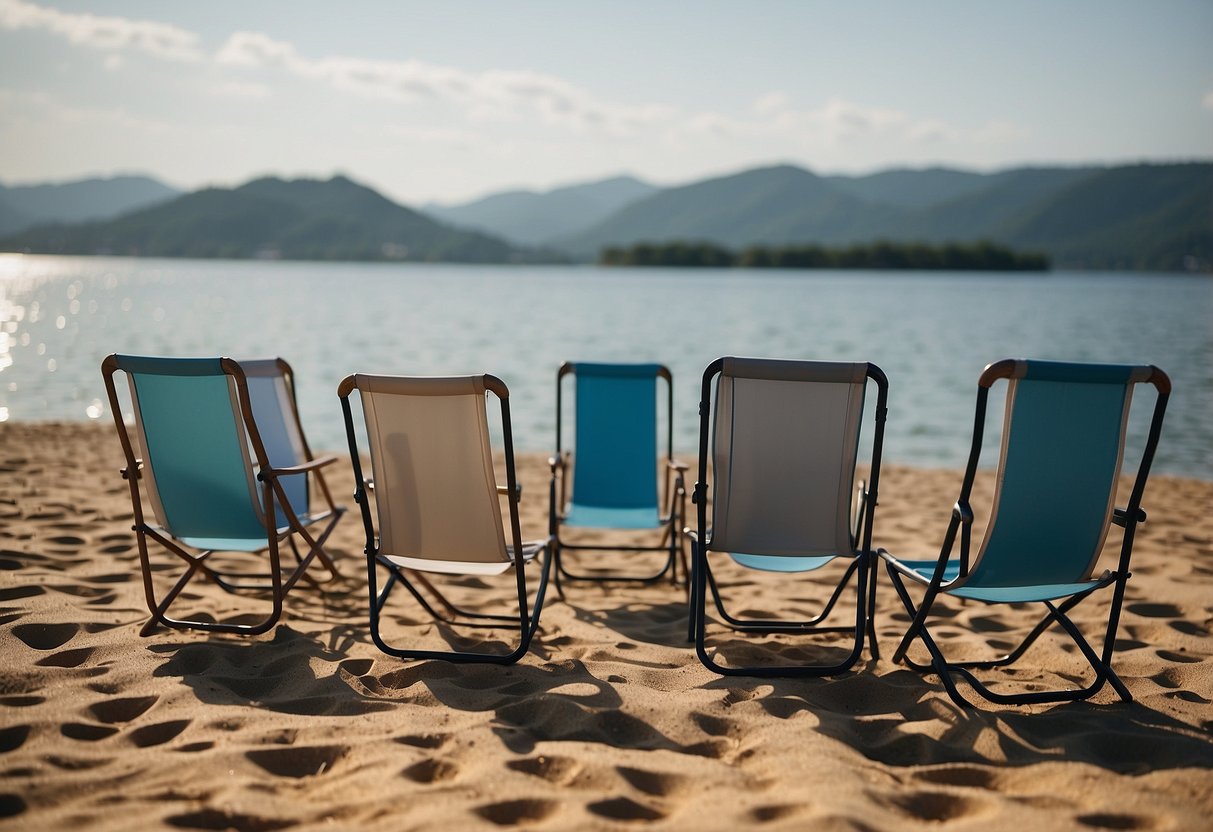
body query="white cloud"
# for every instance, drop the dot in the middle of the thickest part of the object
(242, 89)
(492, 95)
(160, 39)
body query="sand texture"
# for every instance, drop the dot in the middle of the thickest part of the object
(609, 722)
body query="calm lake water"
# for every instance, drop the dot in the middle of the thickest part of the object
(931, 333)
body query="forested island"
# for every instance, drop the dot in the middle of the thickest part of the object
(980, 256)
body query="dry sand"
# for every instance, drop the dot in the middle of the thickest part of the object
(609, 722)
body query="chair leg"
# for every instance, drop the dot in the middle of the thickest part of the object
(702, 576)
(945, 669)
(527, 623)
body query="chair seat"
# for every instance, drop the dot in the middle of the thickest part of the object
(922, 570)
(605, 517)
(782, 563)
(248, 544)
(530, 549)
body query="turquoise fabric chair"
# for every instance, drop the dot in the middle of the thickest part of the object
(209, 479)
(1063, 442)
(784, 437)
(610, 479)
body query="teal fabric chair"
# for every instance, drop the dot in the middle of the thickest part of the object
(784, 437)
(210, 481)
(610, 478)
(1063, 441)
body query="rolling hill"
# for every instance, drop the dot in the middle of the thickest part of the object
(23, 206)
(535, 218)
(303, 219)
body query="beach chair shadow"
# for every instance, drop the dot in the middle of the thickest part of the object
(218, 480)
(436, 500)
(1062, 448)
(785, 438)
(609, 483)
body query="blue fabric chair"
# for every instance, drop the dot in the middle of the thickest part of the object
(785, 438)
(211, 484)
(1063, 442)
(610, 479)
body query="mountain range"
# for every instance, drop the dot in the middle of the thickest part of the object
(24, 206)
(302, 219)
(1141, 216)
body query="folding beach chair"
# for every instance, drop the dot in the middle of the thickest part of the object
(213, 483)
(1062, 445)
(784, 446)
(437, 501)
(613, 479)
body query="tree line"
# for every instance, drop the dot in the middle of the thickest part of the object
(979, 256)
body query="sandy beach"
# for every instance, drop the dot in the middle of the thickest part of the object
(609, 722)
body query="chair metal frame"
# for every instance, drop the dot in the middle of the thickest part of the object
(673, 496)
(272, 495)
(1055, 609)
(527, 620)
(860, 566)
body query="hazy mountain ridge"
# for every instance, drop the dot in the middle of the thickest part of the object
(535, 218)
(1144, 216)
(96, 198)
(302, 219)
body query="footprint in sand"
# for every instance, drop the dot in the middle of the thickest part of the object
(307, 761)
(971, 776)
(16, 593)
(625, 809)
(122, 710)
(45, 636)
(158, 734)
(514, 812)
(218, 819)
(656, 783)
(558, 770)
(431, 771)
(11, 805)
(424, 740)
(67, 658)
(938, 807)
(85, 732)
(713, 725)
(778, 811)
(1102, 820)
(13, 737)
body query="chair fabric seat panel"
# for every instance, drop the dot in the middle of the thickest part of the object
(1057, 478)
(453, 567)
(606, 517)
(775, 563)
(615, 457)
(194, 448)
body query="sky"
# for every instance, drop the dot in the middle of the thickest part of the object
(448, 100)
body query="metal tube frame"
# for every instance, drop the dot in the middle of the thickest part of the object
(962, 518)
(859, 566)
(527, 619)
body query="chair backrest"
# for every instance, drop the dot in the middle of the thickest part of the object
(272, 398)
(435, 489)
(1062, 447)
(615, 461)
(783, 449)
(194, 443)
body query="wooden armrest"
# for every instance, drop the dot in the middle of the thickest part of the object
(302, 468)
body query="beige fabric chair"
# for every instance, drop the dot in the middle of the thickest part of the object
(436, 498)
(784, 444)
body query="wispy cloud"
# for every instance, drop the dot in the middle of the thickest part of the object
(116, 33)
(496, 94)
